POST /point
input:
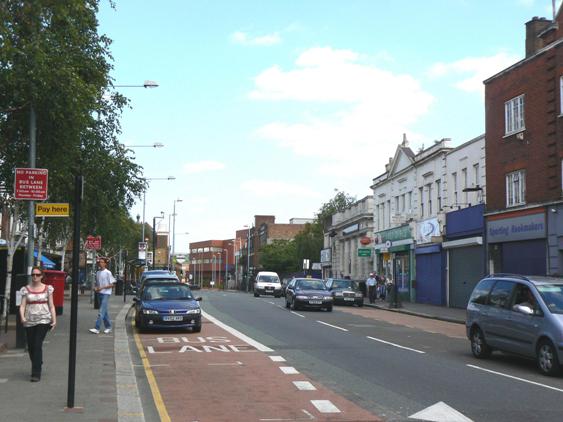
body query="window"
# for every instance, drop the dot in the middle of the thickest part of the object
(514, 115)
(409, 201)
(481, 293)
(464, 181)
(403, 203)
(382, 215)
(396, 205)
(429, 189)
(454, 188)
(389, 213)
(515, 188)
(421, 200)
(501, 293)
(439, 193)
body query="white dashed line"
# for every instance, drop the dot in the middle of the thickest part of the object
(271, 303)
(288, 370)
(325, 406)
(395, 345)
(3, 380)
(277, 358)
(333, 326)
(304, 385)
(516, 378)
(281, 307)
(295, 313)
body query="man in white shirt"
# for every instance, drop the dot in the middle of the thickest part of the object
(371, 283)
(104, 285)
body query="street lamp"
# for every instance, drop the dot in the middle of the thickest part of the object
(144, 198)
(174, 226)
(153, 145)
(154, 237)
(226, 264)
(146, 84)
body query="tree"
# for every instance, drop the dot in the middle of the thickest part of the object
(53, 62)
(280, 256)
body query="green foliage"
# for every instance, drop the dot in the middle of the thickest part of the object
(53, 60)
(339, 203)
(280, 256)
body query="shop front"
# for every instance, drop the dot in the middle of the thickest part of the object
(465, 253)
(430, 263)
(395, 258)
(517, 242)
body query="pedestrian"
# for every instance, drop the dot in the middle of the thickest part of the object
(38, 315)
(371, 283)
(104, 285)
(381, 290)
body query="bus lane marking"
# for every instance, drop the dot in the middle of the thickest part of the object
(288, 370)
(277, 358)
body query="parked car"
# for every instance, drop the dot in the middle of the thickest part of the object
(267, 283)
(167, 277)
(518, 314)
(167, 305)
(308, 293)
(150, 273)
(345, 292)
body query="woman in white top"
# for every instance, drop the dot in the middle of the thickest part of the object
(37, 313)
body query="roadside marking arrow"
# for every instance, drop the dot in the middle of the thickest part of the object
(440, 412)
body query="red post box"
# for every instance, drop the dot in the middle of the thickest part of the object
(57, 280)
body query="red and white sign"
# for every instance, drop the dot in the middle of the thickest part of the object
(31, 184)
(93, 242)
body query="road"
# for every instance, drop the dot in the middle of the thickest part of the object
(369, 364)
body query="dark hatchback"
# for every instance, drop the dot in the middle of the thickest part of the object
(167, 305)
(345, 292)
(308, 293)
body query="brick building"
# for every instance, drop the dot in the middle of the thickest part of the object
(524, 152)
(212, 260)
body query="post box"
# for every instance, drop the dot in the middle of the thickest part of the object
(57, 280)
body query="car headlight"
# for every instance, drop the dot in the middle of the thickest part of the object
(301, 297)
(338, 294)
(328, 298)
(359, 295)
(150, 312)
(194, 311)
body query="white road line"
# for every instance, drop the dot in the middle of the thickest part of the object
(395, 345)
(288, 370)
(281, 307)
(237, 363)
(295, 313)
(236, 333)
(309, 417)
(333, 326)
(516, 378)
(277, 358)
(304, 385)
(325, 406)
(271, 303)
(3, 380)
(12, 355)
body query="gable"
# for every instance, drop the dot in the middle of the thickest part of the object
(401, 161)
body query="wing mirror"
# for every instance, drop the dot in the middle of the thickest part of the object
(526, 310)
(199, 298)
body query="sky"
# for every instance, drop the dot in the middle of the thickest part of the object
(268, 107)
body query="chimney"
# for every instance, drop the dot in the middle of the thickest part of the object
(533, 28)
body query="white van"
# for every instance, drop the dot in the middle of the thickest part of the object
(267, 283)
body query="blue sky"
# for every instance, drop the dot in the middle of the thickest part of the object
(268, 106)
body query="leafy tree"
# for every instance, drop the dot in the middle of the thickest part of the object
(280, 256)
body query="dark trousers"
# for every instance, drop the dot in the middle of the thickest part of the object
(35, 337)
(371, 290)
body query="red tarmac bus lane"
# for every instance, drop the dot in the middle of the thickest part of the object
(215, 376)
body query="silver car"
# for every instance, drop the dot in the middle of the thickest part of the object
(518, 314)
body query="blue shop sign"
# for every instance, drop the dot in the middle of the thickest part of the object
(516, 228)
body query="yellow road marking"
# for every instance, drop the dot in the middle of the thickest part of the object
(158, 402)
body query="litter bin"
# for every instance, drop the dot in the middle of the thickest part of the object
(119, 287)
(57, 280)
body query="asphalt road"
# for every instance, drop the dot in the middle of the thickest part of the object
(389, 368)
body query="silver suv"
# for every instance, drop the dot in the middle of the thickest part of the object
(518, 314)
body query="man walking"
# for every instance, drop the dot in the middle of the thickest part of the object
(104, 285)
(371, 283)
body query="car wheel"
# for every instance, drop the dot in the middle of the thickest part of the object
(277, 296)
(547, 360)
(286, 303)
(329, 308)
(479, 346)
(256, 294)
(293, 305)
(196, 329)
(360, 305)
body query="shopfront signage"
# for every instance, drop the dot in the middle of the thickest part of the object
(426, 230)
(397, 233)
(516, 228)
(364, 252)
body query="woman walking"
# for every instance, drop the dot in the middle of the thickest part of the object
(37, 313)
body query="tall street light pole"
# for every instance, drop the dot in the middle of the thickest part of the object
(248, 261)
(154, 237)
(174, 226)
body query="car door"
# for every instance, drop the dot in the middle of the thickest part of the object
(290, 291)
(496, 323)
(524, 329)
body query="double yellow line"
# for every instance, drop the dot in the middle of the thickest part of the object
(157, 397)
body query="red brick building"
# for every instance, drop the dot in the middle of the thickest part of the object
(524, 152)
(212, 260)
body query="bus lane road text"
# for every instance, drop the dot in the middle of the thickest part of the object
(198, 345)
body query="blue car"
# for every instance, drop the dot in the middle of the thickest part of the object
(167, 305)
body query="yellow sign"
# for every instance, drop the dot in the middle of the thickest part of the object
(51, 210)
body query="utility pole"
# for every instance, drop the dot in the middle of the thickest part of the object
(31, 204)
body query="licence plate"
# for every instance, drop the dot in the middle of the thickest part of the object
(315, 302)
(172, 318)
(349, 298)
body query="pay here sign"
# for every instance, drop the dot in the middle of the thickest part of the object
(31, 184)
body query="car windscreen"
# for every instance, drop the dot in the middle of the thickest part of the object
(344, 284)
(168, 279)
(552, 295)
(311, 285)
(167, 292)
(268, 279)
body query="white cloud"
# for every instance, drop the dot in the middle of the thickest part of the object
(264, 40)
(473, 70)
(203, 166)
(273, 189)
(374, 108)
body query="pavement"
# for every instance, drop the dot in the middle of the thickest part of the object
(105, 385)
(423, 310)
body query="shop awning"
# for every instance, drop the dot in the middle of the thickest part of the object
(45, 262)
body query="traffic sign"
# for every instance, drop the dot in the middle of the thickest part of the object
(43, 209)
(93, 242)
(31, 184)
(364, 252)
